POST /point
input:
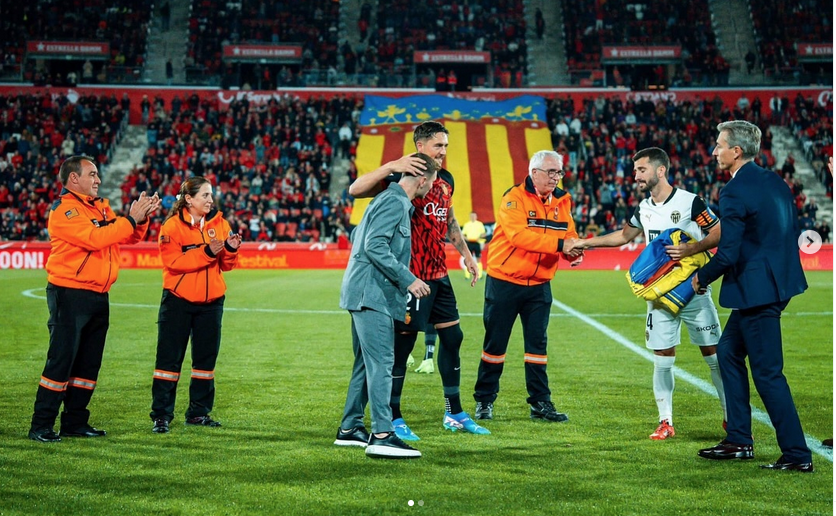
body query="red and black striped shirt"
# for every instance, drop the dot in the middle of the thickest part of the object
(429, 228)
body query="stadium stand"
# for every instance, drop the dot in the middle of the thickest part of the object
(497, 26)
(122, 23)
(36, 133)
(591, 24)
(781, 24)
(270, 163)
(312, 24)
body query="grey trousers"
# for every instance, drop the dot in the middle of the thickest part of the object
(373, 339)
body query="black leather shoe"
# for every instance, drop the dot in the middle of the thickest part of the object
(726, 450)
(781, 463)
(83, 431)
(545, 411)
(160, 426)
(44, 435)
(355, 437)
(202, 421)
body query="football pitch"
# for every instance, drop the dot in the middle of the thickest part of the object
(281, 378)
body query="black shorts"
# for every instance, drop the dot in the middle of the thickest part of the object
(475, 249)
(437, 308)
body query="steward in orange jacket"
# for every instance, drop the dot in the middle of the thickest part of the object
(529, 234)
(85, 235)
(190, 270)
(196, 246)
(532, 230)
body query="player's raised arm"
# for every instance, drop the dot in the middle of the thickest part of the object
(371, 184)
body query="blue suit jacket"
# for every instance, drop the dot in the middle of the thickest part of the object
(378, 274)
(758, 254)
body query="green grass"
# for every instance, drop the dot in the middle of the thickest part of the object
(281, 378)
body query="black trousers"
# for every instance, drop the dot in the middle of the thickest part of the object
(78, 322)
(178, 320)
(504, 301)
(755, 333)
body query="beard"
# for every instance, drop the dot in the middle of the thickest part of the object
(649, 185)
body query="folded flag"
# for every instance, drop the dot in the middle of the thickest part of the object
(654, 276)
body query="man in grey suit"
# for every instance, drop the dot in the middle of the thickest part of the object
(374, 292)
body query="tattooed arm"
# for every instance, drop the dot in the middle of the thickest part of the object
(454, 233)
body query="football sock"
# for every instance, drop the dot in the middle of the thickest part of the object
(663, 384)
(452, 400)
(714, 367)
(449, 365)
(429, 339)
(404, 342)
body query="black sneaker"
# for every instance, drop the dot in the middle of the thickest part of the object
(354, 437)
(202, 421)
(484, 410)
(390, 447)
(545, 411)
(160, 426)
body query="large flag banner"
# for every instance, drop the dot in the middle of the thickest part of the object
(490, 143)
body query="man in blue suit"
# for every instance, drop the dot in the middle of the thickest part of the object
(374, 291)
(758, 257)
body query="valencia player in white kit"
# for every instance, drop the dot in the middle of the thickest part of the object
(668, 207)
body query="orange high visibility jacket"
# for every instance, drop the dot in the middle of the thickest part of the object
(190, 270)
(85, 234)
(529, 233)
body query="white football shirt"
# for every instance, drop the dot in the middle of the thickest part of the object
(682, 210)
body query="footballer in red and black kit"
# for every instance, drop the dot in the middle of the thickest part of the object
(433, 222)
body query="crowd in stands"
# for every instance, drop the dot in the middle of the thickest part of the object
(600, 137)
(497, 26)
(36, 133)
(312, 24)
(270, 163)
(592, 24)
(122, 23)
(781, 24)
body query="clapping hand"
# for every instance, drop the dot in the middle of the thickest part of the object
(216, 246)
(234, 240)
(154, 204)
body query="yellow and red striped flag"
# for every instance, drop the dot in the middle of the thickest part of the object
(491, 143)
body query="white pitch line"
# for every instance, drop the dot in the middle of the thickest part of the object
(31, 293)
(812, 443)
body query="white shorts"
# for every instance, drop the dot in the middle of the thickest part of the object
(663, 329)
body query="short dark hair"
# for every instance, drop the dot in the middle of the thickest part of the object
(427, 130)
(429, 163)
(655, 155)
(72, 164)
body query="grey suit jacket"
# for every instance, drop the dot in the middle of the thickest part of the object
(378, 270)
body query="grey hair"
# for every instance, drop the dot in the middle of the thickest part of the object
(745, 135)
(540, 156)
